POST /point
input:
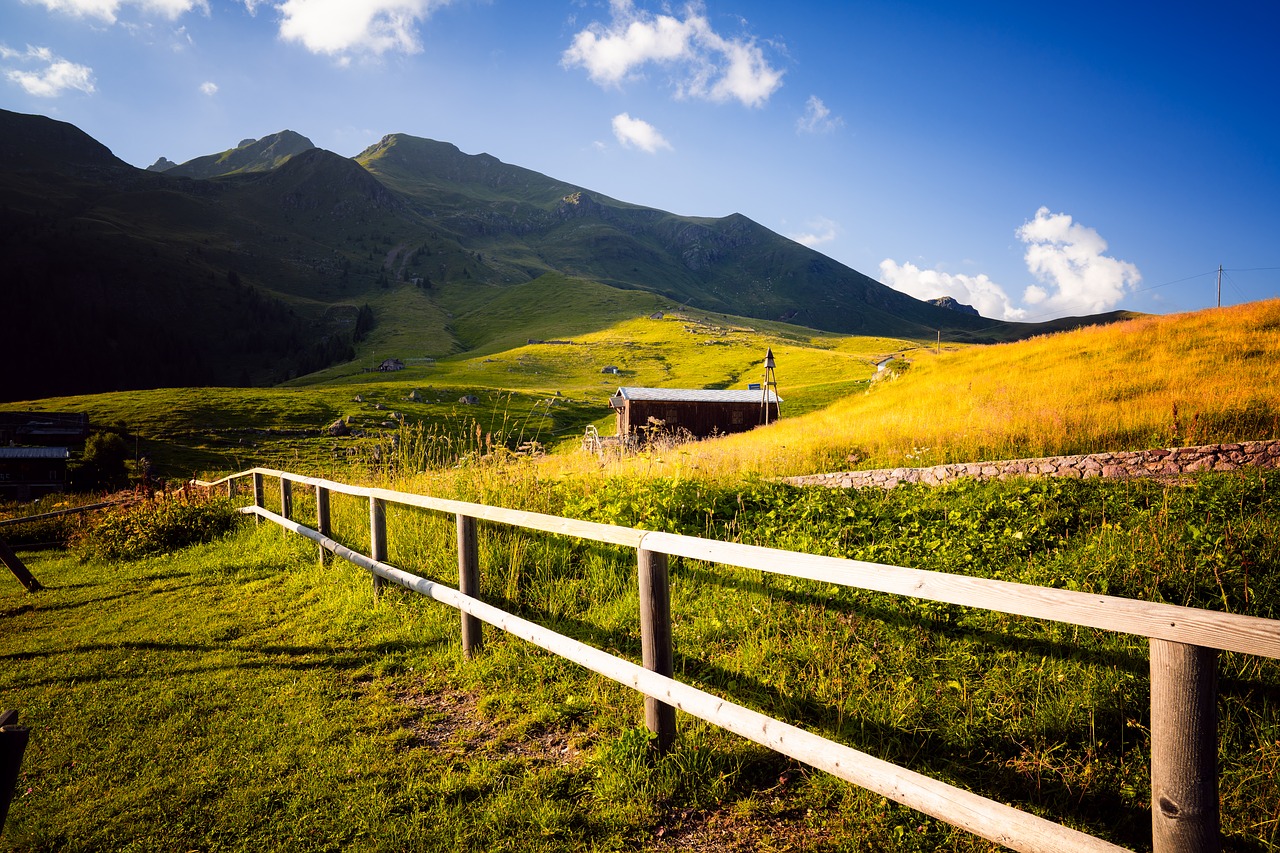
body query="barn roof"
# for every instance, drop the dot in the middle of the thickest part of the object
(33, 453)
(689, 395)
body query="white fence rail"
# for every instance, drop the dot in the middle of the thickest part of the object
(1184, 643)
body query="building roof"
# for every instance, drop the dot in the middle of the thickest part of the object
(33, 453)
(688, 395)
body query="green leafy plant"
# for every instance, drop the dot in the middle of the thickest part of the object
(164, 523)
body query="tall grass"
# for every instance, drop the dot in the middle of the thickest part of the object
(1152, 382)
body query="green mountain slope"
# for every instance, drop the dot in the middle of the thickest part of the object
(255, 270)
(525, 224)
(253, 155)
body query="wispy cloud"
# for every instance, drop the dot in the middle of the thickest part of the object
(209, 88)
(637, 133)
(705, 64)
(1069, 260)
(817, 117)
(52, 75)
(820, 230)
(108, 10)
(981, 292)
(340, 28)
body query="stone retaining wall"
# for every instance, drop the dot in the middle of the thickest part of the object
(1139, 463)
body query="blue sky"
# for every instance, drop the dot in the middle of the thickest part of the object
(1034, 160)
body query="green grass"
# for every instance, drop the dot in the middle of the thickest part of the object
(238, 696)
(527, 392)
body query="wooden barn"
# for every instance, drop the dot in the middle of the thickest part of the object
(43, 428)
(29, 472)
(701, 412)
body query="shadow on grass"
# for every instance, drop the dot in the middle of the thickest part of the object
(1136, 664)
(75, 605)
(326, 657)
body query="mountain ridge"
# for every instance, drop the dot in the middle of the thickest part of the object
(285, 242)
(251, 155)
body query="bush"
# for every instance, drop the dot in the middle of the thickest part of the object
(156, 525)
(103, 464)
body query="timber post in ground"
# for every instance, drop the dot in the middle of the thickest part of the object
(322, 517)
(655, 641)
(258, 499)
(18, 568)
(469, 582)
(286, 497)
(377, 539)
(1184, 749)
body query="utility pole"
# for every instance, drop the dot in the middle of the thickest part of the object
(939, 350)
(770, 381)
(1219, 285)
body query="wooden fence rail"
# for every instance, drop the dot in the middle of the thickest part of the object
(1184, 645)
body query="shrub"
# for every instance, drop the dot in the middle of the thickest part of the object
(164, 523)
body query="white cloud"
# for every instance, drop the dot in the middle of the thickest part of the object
(342, 27)
(634, 132)
(209, 88)
(821, 230)
(706, 64)
(979, 291)
(817, 117)
(53, 78)
(107, 10)
(1069, 261)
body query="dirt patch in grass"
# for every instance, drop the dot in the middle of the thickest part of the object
(728, 830)
(449, 721)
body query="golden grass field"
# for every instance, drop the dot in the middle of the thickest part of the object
(1157, 381)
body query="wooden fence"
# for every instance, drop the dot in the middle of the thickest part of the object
(1184, 644)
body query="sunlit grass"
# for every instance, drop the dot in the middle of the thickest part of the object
(241, 695)
(1153, 382)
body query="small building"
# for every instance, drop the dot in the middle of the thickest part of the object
(29, 472)
(48, 429)
(391, 364)
(702, 412)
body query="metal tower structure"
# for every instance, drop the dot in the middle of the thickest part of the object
(770, 381)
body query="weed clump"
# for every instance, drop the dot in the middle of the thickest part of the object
(163, 523)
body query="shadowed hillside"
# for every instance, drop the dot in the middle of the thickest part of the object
(253, 271)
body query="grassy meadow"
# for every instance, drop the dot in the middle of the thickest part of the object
(239, 695)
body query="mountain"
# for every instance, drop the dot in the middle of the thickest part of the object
(953, 304)
(31, 143)
(278, 258)
(251, 155)
(528, 224)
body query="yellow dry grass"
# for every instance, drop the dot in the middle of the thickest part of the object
(1155, 381)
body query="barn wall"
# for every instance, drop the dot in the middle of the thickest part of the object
(24, 479)
(700, 419)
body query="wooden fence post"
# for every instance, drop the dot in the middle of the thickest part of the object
(18, 568)
(1184, 748)
(13, 743)
(257, 494)
(655, 640)
(231, 487)
(377, 539)
(286, 497)
(322, 517)
(469, 581)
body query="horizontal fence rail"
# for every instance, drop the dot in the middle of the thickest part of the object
(1184, 646)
